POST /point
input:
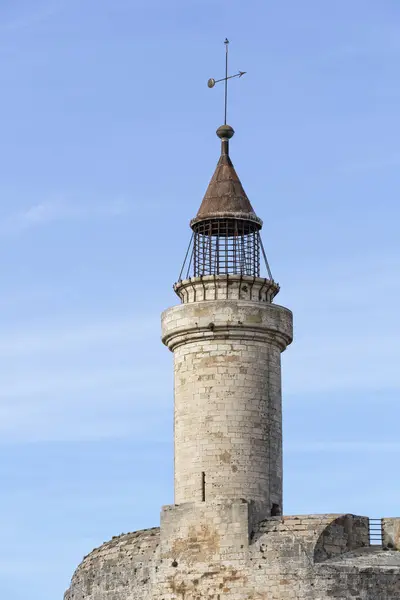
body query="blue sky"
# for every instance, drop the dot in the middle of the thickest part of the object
(107, 145)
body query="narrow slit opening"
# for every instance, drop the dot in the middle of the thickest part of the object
(203, 487)
(275, 510)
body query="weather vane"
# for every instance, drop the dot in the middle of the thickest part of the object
(212, 82)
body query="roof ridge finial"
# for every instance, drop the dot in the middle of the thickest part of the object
(211, 84)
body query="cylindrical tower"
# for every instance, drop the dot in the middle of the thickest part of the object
(227, 337)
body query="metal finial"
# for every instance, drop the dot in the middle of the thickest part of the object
(211, 82)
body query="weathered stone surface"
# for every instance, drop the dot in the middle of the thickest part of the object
(391, 533)
(119, 569)
(228, 413)
(220, 541)
(209, 550)
(226, 287)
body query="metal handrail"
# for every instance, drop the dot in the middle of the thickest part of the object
(375, 532)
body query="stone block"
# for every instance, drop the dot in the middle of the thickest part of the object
(391, 533)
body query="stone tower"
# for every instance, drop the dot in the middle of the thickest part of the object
(227, 338)
(226, 537)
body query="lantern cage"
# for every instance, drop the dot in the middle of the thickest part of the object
(222, 246)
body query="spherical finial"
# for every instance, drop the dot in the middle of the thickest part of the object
(225, 132)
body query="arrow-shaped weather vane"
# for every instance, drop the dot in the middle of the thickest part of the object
(212, 82)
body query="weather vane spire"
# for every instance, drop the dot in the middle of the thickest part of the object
(212, 82)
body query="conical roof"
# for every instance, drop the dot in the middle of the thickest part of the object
(225, 196)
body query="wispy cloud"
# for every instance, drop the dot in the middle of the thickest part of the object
(345, 334)
(82, 380)
(26, 18)
(314, 447)
(376, 163)
(40, 387)
(73, 405)
(53, 211)
(335, 362)
(51, 337)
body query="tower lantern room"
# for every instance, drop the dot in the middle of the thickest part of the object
(226, 231)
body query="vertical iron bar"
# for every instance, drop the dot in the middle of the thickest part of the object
(265, 257)
(235, 269)
(184, 262)
(254, 254)
(257, 253)
(242, 253)
(246, 249)
(195, 254)
(204, 257)
(209, 246)
(226, 246)
(218, 232)
(190, 261)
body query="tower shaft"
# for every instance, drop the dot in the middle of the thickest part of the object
(227, 338)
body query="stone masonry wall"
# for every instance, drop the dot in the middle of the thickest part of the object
(207, 554)
(211, 551)
(391, 533)
(228, 421)
(118, 570)
(226, 287)
(228, 436)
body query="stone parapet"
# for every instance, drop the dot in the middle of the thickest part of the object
(226, 287)
(320, 537)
